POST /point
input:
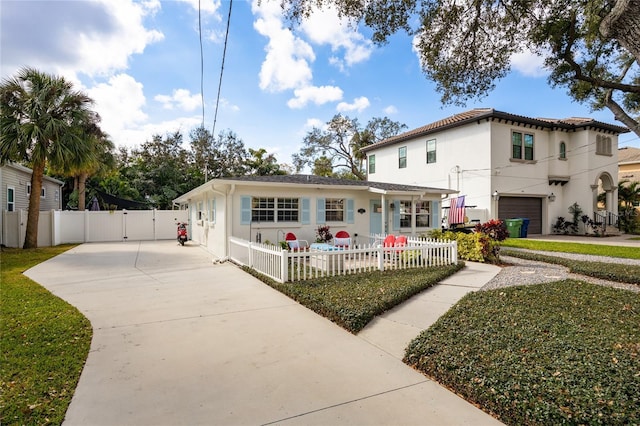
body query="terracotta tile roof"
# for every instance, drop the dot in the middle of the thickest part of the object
(478, 114)
(629, 155)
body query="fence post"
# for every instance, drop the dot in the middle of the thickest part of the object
(250, 255)
(454, 252)
(284, 270)
(380, 258)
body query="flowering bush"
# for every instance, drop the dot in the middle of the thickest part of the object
(323, 234)
(495, 229)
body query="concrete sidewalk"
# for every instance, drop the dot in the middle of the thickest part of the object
(181, 341)
(393, 330)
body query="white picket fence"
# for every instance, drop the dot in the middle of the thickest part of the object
(285, 265)
(61, 227)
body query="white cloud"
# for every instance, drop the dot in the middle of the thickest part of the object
(67, 38)
(529, 64)
(208, 7)
(391, 110)
(119, 102)
(286, 65)
(182, 98)
(325, 27)
(135, 136)
(314, 122)
(359, 104)
(317, 95)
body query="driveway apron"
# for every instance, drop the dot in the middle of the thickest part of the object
(179, 340)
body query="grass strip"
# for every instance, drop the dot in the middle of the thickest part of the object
(606, 271)
(352, 301)
(44, 343)
(566, 352)
(578, 248)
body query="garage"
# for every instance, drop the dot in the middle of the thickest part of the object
(517, 207)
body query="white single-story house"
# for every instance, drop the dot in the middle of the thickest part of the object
(507, 165)
(265, 208)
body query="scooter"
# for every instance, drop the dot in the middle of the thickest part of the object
(182, 233)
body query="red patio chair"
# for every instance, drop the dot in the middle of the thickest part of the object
(342, 239)
(294, 243)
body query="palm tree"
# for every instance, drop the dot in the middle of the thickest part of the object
(628, 197)
(40, 119)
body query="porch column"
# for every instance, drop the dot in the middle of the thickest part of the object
(384, 213)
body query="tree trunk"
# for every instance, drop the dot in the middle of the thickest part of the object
(82, 190)
(31, 235)
(623, 24)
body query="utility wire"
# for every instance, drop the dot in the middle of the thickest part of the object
(224, 54)
(201, 62)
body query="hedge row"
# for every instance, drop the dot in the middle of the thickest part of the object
(606, 271)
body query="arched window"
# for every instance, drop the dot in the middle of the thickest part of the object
(563, 151)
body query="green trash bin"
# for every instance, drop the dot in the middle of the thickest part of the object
(514, 226)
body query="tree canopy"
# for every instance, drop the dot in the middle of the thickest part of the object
(43, 122)
(337, 148)
(590, 47)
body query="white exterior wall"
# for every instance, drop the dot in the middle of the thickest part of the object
(475, 159)
(213, 235)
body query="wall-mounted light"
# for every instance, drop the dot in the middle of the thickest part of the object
(495, 195)
(361, 210)
(552, 197)
(392, 206)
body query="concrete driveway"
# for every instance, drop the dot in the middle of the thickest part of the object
(181, 341)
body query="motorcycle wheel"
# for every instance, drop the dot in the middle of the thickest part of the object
(182, 242)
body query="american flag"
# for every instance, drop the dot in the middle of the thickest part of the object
(456, 210)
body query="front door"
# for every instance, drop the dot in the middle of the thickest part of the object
(375, 217)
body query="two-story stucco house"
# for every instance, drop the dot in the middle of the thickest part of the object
(506, 165)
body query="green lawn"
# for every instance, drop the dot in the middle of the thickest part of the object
(566, 352)
(579, 248)
(352, 301)
(44, 343)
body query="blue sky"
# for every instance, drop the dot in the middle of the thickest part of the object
(140, 62)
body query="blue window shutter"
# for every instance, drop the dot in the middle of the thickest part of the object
(306, 211)
(245, 207)
(435, 214)
(350, 218)
(321, 216)
(396, 214)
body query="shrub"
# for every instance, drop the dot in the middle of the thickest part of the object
(495, 229)
(476, 247)
(323, 234)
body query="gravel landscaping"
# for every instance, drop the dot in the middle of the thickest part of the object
(524, 272)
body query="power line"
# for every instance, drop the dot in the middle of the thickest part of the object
(224, 54)
(201, 62)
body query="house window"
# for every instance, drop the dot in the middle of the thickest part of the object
(212, 210)
(272, 209)
(28, 189)
(200, 212)
(43, 193)
(563, 151)
(372, 164)
(522, 146)
(263, 209)
(334, 209)
(422, 214)
(288, 210)
(402, 157)
(603, 145)
(56, 195)
(11, 201)
(431, 151)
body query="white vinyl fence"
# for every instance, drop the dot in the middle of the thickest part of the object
(61, 227)
(284, 265)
